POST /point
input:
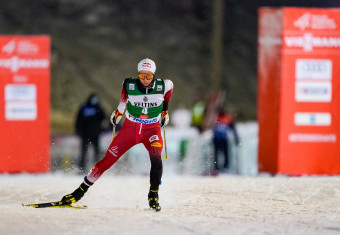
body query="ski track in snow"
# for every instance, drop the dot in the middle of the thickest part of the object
(190, 205)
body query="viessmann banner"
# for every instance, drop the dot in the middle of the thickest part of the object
(25, 103)
(309, 114)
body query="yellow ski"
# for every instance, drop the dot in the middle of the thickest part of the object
(58, 204)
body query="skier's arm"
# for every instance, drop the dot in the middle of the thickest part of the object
(169, 87)
(123, 101)
(118, 113)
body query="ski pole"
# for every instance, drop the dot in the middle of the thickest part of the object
(166, 157)
(113, 132)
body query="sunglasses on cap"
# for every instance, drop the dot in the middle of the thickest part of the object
(145, 76)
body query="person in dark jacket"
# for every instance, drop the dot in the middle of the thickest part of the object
(88, 127)
(223, 125)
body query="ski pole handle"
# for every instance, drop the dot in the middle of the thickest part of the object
(113, 132)
(166, 157)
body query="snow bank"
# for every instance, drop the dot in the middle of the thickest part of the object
(196, 159)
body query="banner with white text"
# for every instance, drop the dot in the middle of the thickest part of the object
(25, 103)
(309, 114)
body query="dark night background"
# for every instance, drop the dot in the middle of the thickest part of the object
(98, 43)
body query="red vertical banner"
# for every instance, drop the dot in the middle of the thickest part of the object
(269, 68)
(24, 103)
(305, 123)
(309, 110)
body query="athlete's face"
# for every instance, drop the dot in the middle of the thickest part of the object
(145, 77)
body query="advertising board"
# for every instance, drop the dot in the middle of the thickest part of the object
(308, 84)
(25, 103)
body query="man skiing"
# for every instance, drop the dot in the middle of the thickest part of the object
(145, 100)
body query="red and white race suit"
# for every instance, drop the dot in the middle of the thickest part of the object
(133, 133)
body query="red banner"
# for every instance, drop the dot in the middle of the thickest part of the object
(308, 117)
(269, 44)
(25, 103)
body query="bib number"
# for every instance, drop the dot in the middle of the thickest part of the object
(144, 114)
(145, 111)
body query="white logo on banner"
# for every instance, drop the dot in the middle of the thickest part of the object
(313, 91)
(312, 119)
(309, 20)
(308, 42)
(9, 47)
(15, 63)
(316, 138)
(313, 69)
(21, 102)
(21, 111)
(15, 92)
(21, 47)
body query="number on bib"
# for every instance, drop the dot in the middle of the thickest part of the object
(145, 111)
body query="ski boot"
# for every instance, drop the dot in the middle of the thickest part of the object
(153, 200)
(76, 195)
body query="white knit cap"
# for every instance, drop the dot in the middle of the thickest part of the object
(147, 65)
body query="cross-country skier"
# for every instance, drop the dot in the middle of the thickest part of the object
(145, 100)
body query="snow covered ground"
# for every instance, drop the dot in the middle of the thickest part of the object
(224, 204)
(191, 203)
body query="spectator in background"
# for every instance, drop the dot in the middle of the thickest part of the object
(223, 125)
(197, 113)
(88, 127)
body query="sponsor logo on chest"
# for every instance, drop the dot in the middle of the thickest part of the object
(144, 121)
(145, 105)
(146, 101)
